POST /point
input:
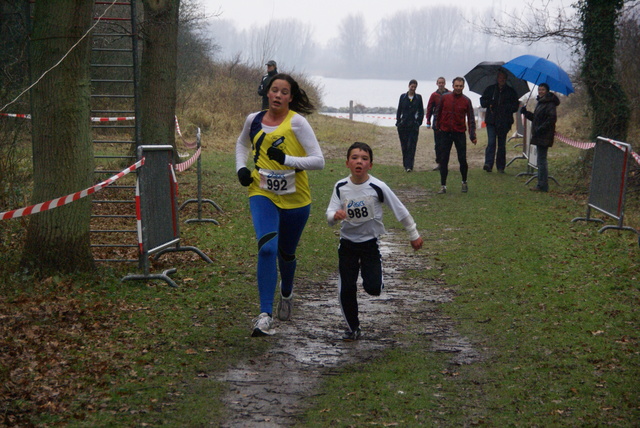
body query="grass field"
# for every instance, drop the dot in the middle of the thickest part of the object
(551, 305)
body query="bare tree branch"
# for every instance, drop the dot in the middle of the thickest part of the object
(535, 23)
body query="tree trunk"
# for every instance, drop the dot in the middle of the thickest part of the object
(607, 99)
(158, 70)
(58, 239)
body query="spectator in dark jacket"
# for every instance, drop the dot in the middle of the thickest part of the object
(408, 120)
(501, 102)
(455, 111)
(272, 70)
(543, 129)
(432, 107)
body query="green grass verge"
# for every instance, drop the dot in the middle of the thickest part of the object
(551, 305)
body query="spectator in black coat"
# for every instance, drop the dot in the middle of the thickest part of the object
(501, 102)
(272, 70)
(408, 120)
(543, 129)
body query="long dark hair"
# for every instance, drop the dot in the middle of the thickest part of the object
(299, 100)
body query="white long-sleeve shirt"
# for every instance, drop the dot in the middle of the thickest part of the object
(363, 204)
(305, 135)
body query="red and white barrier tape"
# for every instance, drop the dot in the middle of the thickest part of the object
(635, 156)
(139, 217)
(22, 116)
(185, 142)
(371, 116)
(174, 196)
(586, 146)
(58, 202)
(93, 119)
(174, 183)
(187, 164)
(574, 143)
(112, 119)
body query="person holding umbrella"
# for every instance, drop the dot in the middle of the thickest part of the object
(501, 102)
(543, 129)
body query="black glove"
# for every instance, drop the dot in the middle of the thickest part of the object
(276, 154)
(244, 175)
(523, 110)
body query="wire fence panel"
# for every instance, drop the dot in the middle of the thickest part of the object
(609, 177)
(158, 205)
(608, 189)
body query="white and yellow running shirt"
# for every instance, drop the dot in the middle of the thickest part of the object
(286, 185)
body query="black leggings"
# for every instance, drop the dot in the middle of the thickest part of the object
(460, 141)
(354, 258)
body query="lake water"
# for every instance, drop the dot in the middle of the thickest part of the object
(375, 93)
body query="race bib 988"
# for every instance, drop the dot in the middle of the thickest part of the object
(359, 211)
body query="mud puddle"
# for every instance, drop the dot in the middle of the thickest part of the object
(273, 389)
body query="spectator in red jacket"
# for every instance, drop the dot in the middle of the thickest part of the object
(454, 113)
(432, 107)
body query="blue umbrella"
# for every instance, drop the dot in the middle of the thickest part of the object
(539, 70)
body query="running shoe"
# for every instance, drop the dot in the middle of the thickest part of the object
(351, 336)
(285, 307)
(263, 325)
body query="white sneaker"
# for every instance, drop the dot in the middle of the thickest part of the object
(285, 307)
(263, 325)
(443, 190)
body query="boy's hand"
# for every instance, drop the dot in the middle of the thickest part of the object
(417, 244)
(340, 215)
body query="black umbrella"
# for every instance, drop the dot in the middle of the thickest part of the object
(484, 74)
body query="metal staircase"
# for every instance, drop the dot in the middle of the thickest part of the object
(116, 132)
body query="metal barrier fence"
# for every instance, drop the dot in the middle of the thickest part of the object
(524, 134)
(157, 211)
(198, 200)
(520, 123)
(608, 189)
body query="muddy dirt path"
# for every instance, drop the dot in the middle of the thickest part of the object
(273, 389)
